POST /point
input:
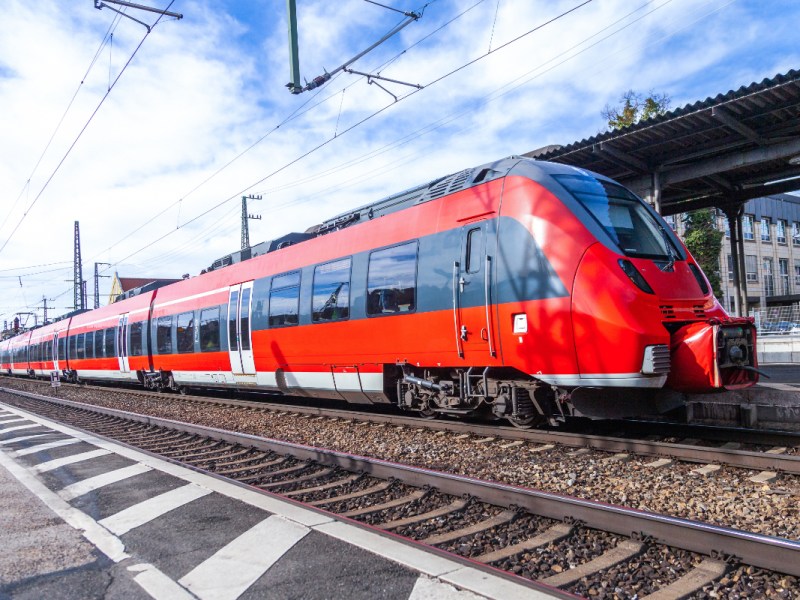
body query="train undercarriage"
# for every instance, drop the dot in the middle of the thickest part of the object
(499, 392)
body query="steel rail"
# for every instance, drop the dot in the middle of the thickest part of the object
(745, 459)
(777, 554)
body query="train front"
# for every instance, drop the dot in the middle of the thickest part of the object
(643, 312)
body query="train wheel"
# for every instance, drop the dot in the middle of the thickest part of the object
(528, 422)
(428, 413)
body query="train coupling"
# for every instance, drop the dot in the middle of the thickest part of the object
(713, 355)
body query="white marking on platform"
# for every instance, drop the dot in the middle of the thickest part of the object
(46, 446)
(152, 508)
(22, 438)
(18, 427)
(108, 544)
(237, 566)
(426, 588)
(79, 488)
(157, 584)
(57, 463)
(11, 419)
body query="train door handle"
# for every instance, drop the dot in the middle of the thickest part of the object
(464, 332)
(461, 283)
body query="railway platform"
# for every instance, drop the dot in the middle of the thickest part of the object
(83, 517)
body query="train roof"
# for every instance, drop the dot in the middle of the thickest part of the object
(439, 187)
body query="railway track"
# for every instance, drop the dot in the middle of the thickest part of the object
(582, 547)
(769, 452)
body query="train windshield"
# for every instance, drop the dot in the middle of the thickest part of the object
(623, 216)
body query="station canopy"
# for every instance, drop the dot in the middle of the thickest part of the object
(719, 152)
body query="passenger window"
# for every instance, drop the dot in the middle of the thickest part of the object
(136, 339)
(81, 348)
(391, 280)
(99, 348)
(90, 345)
(62, 348)
(331, 295)
(164, 335)
(185, 330)
(244, 319)
(209, 330)
(474, 250)
(110, 334)
(284, 300)
(233, 341)
(73, 347)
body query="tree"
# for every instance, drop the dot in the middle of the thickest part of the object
(704, 241)
(635, 108)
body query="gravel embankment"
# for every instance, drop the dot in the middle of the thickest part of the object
(726, 498)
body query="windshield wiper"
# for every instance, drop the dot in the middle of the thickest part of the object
(670, 251)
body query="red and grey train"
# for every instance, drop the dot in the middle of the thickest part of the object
(524, 289)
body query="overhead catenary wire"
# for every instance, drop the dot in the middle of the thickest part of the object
(110, 32)
(356, 125)
(80, 134)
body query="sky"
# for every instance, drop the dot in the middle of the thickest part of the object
(150, 139)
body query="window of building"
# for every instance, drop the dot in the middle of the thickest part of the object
(765, 229)
(780, 231)
(797, 272)
(670, 219)
(769, 281)
(185, 332)
(284, 300)
(391, 280)
(164, 335)
(730, 267)
(331, 291)
(751, 267)
(783, 272)
(726, 227)
(137, 346)
(747, 227)
(209, 330)
(795, 233)
(110, 336)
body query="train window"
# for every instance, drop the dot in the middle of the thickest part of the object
(164, 335)
(90, 345)
(244, 319)
(108, 342)
(99, 344)
(474, 250)
(623, 216)
(136, 339)
(73, 347)
(331, 292)
(209, 330)
(284, 300)
(62, 348)
(81, 345)
(391, 280)
(233, 340)
(185, 330)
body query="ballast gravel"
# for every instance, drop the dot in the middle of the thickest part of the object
(726, 497)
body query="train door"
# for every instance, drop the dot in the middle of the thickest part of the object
(239, 340)
(473, 311)
(122, 344)
(55, 353)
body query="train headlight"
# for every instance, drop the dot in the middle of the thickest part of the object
(635, 276)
